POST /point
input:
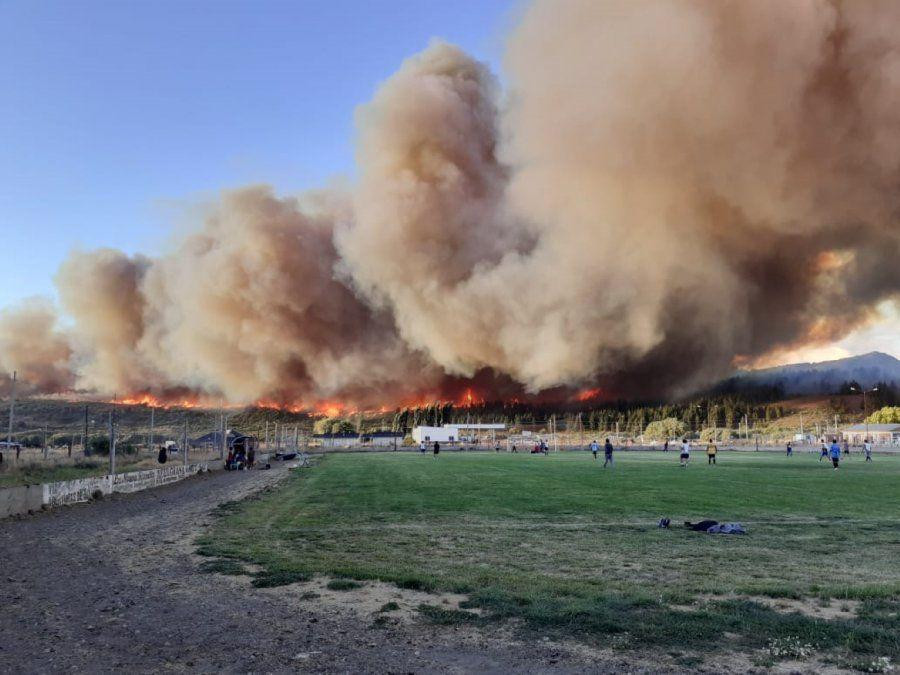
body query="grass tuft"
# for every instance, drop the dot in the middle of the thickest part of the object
(267, 579)
(229, 567)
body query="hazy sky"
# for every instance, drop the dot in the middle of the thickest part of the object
(116, 117)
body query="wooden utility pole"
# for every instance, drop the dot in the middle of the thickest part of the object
(112, 444)
(223, 449)
(184, 441)
(267, 435)
(84, 435)
(12, 412)
(44, 442)
(152, 422)
(296, 438)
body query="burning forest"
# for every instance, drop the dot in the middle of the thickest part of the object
(623, 216)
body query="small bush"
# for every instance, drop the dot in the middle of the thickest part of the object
(879, 664)
(447, 617)
(229, 567)
(269, 579)
(342, 585)
(790, 647)
(389, 607)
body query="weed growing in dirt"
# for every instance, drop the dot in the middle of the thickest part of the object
(268, 579)
(230, 567)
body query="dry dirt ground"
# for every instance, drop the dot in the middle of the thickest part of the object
(116, 586)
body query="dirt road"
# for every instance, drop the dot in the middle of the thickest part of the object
(115, 586)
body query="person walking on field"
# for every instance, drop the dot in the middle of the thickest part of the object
(685, 452)
(867, 446)
(422, 447)
(595, 448)
(666, 446)
(790, 450)
(835, 453)
(824, 452)
(437, 449)
(607, 453)
(711, 451)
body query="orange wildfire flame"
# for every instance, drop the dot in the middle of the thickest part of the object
(469, 399)
(155, 402)
(588, 394)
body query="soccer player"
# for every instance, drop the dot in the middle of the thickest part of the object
(595, 449)
(607, 453)
(437, 449)
(711, 451)
(867, 446)
(685, 452)
(824, 452)
(790, 450)
(835, 453)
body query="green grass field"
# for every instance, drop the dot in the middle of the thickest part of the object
(571, 549)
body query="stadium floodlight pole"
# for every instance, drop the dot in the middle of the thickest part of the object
(12, 412)
(865, 410)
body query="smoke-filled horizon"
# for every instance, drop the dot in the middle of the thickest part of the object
(663, 190)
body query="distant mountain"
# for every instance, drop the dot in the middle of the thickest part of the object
(825, 377)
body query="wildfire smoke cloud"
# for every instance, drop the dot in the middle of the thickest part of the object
(651, 198)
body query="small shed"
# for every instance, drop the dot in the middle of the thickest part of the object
(213, 440)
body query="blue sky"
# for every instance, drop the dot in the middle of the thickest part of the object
(115, 116)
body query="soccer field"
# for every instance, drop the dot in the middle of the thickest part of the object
(570, 548)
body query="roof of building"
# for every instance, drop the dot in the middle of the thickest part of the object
(216, 437)
(385, 434)
(874, 427)
(345, 434)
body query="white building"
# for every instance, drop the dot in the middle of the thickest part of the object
(880, 434)
(450, 433)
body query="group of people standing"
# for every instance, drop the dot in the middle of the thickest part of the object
(834, 451)
(436, 448)
(607, 452)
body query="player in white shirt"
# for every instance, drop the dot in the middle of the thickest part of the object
(685, 452)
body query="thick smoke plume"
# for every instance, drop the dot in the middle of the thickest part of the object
(664, 188)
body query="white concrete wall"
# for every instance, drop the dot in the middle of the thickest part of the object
(20, 499)
(444, 434)
(82, 489)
